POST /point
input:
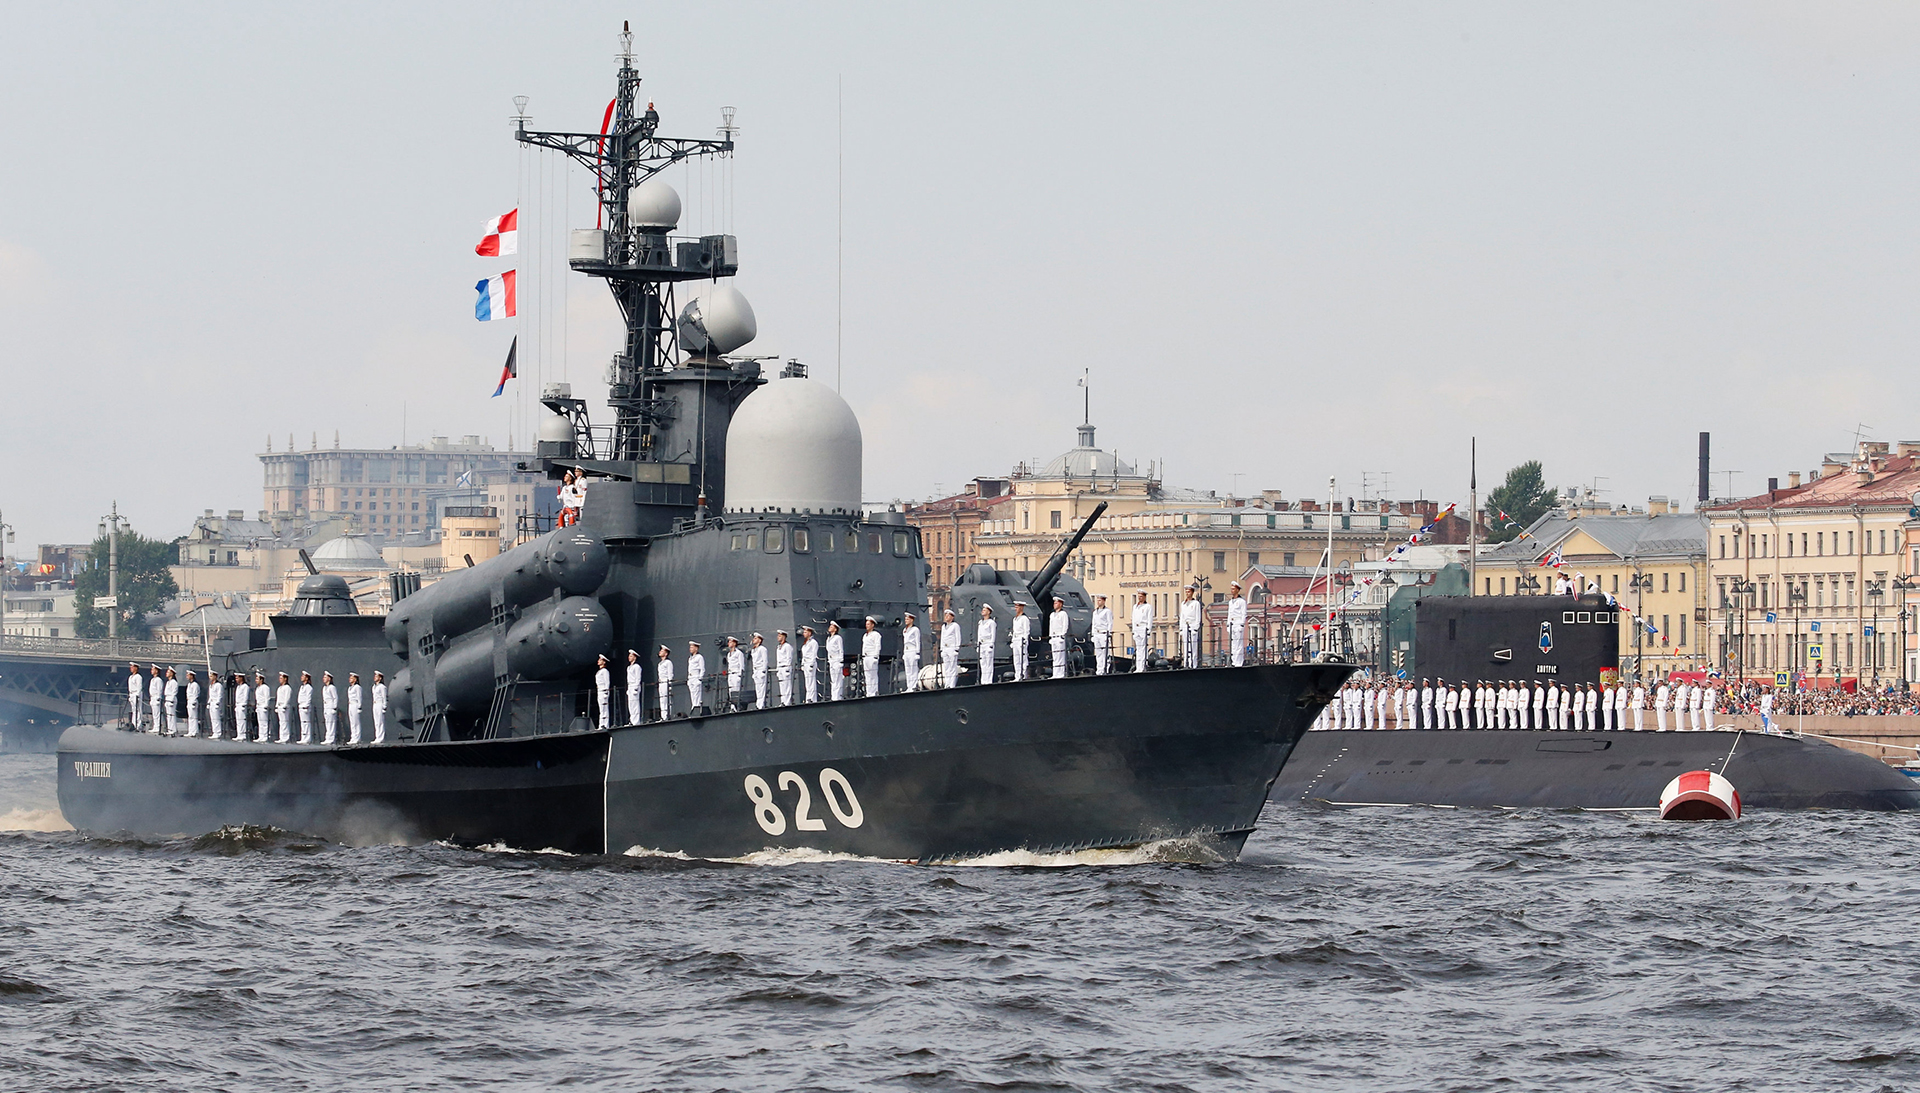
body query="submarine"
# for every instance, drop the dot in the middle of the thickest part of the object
(720, 501)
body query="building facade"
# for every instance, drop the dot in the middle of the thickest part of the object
(950, 529)
(393, 490)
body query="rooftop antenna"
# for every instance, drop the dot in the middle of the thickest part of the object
(727, 128)
(1086, 398)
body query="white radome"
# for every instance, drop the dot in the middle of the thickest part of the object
(722, 320)
(554, 427)
(794, 446)
(653, 204)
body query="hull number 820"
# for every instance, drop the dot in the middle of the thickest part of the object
(835, 790)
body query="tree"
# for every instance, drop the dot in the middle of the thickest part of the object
(145, 583)
(1523, 497)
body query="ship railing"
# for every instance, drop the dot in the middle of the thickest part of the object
(107, 708)
(159, 652)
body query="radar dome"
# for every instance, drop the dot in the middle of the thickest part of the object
(555, 429)
(794, 446)
(721, 322)
(653, 204)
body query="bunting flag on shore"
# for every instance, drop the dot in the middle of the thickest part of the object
(1552, 560)
(496, 298)
(500, 236)
(1359, 589)
(512, 369)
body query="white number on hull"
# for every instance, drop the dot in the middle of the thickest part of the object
(840, 798)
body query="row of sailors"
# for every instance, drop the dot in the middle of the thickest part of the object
(1436, 704)
(163, 703)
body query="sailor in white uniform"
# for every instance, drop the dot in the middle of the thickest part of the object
(1142, 630)
(1766, 711)
(156, 700)
(171, 696)
(1426, 703)
(1237, 625)
(949, 651)
(1190, 628)
(809, 665)
(283, 708)
(985, 634)
(356, 695)
(910, 651)
(1539, 706)
(330, 708)
(663, 681)
(1057, 626)
(306, 708)
(1102, 634)
(1453, 707)
(1400, 697)
(603, 692)
(136, 696)
(636, 688)
(1662, 697)
(758, 658)
(1606, 707)
(870, 657)
(1620, 706)
(379, 708)
(836, 663)
(1019, 634)
(193, 704)
(216, 705)
(263, 706)
(1639, 701)
(736, 674)
(783, 666)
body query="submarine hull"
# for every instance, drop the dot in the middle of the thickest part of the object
(1488, 768)
(1040, 766)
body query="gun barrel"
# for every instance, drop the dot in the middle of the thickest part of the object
(1042, 584)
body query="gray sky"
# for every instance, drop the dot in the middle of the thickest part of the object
(1289, 241)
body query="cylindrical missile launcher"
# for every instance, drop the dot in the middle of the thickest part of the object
(554, 640)
(569, 561)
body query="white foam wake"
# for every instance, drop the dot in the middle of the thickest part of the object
(34, 819)
(1162, 852)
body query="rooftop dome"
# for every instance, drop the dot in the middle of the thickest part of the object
(348, 554)
(1087, 461)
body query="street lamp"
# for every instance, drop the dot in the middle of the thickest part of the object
(1876, 591)
(1385, 642)
(1903, 584)
(1797, 599)
(1641, 584)
(1736, 626)
(110, 526)
(6, 536)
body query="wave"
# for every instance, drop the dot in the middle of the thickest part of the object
(1161, 852)
(34, 819)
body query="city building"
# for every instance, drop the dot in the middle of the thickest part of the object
(949, 528)
(1817, 577)
(469, 535)
(393, 490)
(40, 609)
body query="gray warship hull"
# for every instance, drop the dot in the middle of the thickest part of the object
(1042, 766)
(1480, 768)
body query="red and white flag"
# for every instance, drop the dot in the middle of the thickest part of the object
(502, 236)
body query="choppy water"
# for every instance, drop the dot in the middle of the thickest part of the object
(1403, 949)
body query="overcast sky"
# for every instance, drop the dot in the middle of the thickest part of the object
(1287, 241)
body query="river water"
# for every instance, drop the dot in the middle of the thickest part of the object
(1377, 949)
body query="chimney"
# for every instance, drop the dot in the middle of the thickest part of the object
(1773, 488)
(1704, 493)
(1793, 480)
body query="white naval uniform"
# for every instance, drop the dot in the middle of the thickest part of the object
(330, 712)
(193, 708)
(1710, 703)
(1102, 638)
(136, 698)
(1766, 710)
(836, 666)
(736, 677)
(984, 635)
(172, 700)
(356, 694)
(1400, 697)
(810, 670)
(910, 656)
(379, 713)
(1057, 625)
(1553, 708)
(663, 680)
(1606, 707)
(242, 728)
(759, 654)
(1639, 701)
(1142, 631)
(1190, 633)
(263, 710)
(156, 700)
(1539, 706)
(950, 655)
(1620, 707)
(1661, 698)
(603, 694)
(1426, 706)
(1453, 707)
(306, 713)
(283, 710)
(636, 691)
(870, 661)
(783, 671)
(1021, 632)
(216, 703)
(1237, 629)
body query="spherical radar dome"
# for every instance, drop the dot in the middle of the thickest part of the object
(555, 428)
(794, 446)
(653, 204)
(721, 321)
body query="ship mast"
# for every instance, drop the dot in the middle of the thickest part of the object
(640, 267)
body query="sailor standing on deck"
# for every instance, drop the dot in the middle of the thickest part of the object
(1400, 711)
(1426, 703)
(663, 681)
(1592, 707)
(262, 706)
(1661, 697)
(696, 679)
(910, 651)
(836, 662)
(237, 686)
(170, 695)
(136, 696)
(156, 700)
(283, 708)
(1552, 708)
(1639, 701)
(870, 657)
(1620, 706)
(758, 656)
(603, 691)
(330, 708)
(1453, 707)
(783, 666)
(949, 651)
(1190, 628)
(1709, 702)
(306, 708)
(1022, 632)
(809, 666)
(1102, 634)
(355, 696)
(1237, 624)
(636, 688)
(1142, 630)
(379, 708)
(1606, 706)
(193, 704)
(1539, 705)
(736, 674)
(216, 703)
(984, 635)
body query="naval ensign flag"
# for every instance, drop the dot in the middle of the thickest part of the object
(501, 236)
(511, 370)
(496, 298)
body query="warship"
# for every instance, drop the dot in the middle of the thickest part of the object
(720, 501)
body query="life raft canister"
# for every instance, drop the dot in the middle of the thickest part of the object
(1699, 795)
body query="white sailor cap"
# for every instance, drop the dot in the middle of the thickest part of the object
(1059, 599)
(907, 615)
(808, 629)
(987, 607)
(732, 640)
(695, 644)
(782, 633)
(759, 635)
(602, 658)
(633, 652)
(873, 620)
(1099, 595)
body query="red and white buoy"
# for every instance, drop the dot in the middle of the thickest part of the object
(1700, 795)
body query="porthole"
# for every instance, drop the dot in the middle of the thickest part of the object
(961, 715)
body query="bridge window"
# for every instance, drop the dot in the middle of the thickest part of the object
(776, 541)
(800, 541)
(900, 544)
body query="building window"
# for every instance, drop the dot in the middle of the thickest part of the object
(1219, 561)
(1723, 546)
(1849, 551)
(1053, 517)
(1503, 586)
(1253, 557)
(1683, 584)
(1820, 540)
(1023, 520)
(1287, 558)
(1664, 587)
(1683, 630)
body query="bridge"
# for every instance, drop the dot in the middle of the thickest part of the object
(47, 684)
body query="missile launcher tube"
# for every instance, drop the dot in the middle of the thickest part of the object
(568, 559)
(553, 641)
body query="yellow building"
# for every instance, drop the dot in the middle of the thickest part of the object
(1654, 564)
(469, 535)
